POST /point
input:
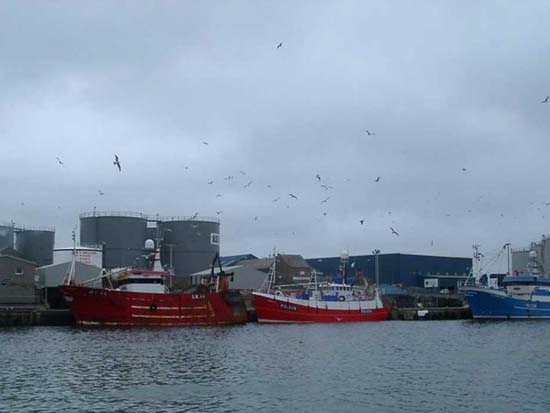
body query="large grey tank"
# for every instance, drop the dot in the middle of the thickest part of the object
(35, 244)
(189, 245)
(121, 235)
(6, 236)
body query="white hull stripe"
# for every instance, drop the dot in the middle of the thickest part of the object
(266, 320)
(98, 323)
(148, 307)
(169, 316)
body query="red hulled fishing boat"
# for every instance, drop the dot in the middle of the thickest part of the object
(140, 297)
(327, 302)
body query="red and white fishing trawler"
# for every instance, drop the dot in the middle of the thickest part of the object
(140, 297)
(327, 302)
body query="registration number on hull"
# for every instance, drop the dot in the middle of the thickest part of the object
(288, 307)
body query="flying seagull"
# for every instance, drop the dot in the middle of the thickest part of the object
(279, 45)
(195, 216)
(248, 184)
(101, 192)
(116, 162)
(276, 199)
(218, 195)
(464, 169)
(370, 133)
(59, 161)
(362, 221)
(219, 212)
(293, 196)
(210, 182)
(318, 177)
(325, 187)
(546, 100)
(377, 179)
(394, 232)
(205, 143)
(324, 201)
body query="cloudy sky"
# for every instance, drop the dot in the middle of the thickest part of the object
(451, 90)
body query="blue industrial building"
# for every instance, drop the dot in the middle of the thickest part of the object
(408, 270)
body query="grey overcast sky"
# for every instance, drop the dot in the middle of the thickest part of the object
(443, 85)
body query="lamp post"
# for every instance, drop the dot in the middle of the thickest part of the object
(376, 253)
(344, 257)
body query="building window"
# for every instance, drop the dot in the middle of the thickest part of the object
(19, 271)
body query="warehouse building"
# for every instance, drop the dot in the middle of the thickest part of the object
(50, 277)
(408, 270)
(251, 273)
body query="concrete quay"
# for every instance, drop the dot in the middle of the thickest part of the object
(34, 316)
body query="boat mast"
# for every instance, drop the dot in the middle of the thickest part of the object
(271, 282)
(508, 257)
(72, 269)
(476, 263)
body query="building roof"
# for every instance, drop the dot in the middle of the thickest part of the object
(54, 274)
(234, 259)
(294, 260)
(209, 270)
(15, 257)
(79, 248)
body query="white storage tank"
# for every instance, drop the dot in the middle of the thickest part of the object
(85, 255)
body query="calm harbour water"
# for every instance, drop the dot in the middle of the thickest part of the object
(388, 366)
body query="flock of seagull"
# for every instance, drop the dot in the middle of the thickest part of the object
(292, 196)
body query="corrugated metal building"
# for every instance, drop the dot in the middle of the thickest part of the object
(405, 269)
(251, 273)
(52, 276)
(248, 274)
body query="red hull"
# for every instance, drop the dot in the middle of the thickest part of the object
(113, 307)
(272, 310)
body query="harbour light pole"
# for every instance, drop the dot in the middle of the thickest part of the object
(376, 253)
(344, 258)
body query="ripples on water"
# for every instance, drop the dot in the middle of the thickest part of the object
(388, 366)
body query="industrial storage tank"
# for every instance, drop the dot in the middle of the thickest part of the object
(6, 236)
(189, 245)
(35, 244)
(120, 234)
(85, 255)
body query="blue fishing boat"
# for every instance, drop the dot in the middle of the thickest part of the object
(519, 296)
